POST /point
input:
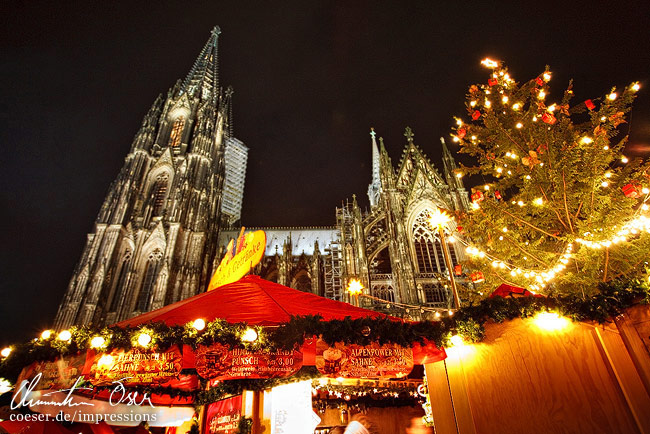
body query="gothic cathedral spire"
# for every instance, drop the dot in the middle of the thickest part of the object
(375, 185)
(154, 241)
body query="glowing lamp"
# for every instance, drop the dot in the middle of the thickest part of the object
(489, 63)
(5, 352)
(612, 96)
(46, 334)
(439, 218)
(105, 361)
(519, 125)
(144, 340)
(636, 87)
(355, 287)
(456, 341)
(550, 321)
(97, 342)
(65, 336)
(199, 324)
(250, 335)
(5, 386)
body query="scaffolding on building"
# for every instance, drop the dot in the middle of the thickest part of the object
(235, 157)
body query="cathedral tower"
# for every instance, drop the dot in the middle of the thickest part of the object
(155, 239)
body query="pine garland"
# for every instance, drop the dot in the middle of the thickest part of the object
(611, 299)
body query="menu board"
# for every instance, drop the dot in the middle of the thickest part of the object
(363, 361)
(222, 362)
(222, 417)
(135, 367)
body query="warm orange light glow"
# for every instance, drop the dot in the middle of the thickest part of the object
(105, 361)
(250, 335)
(144, 339)
(97, 342)
(199, 324)
(456, 341)
(65, 335)
(489, 63)
(355, 287)
(550, 321)
(5, 352)
(439, 218)
(46, 334)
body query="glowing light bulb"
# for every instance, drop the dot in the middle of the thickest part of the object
(488, 104)
(472, 103)
(144, 339)
(46, 334)
(520, 203)
(608, 174)
(645, 190)
(605, 147)
(459, 175)
(604, 184)
(552, 108)
(551, 321)
(516, 106)
(636, 87)
(439, 218)
(97, 342)
(624, 159)
(505, 229)
(504, 99)
(519, 125)
(541, 94)
(5, 352)
(586, 140)
(612, 96)
(65, 335)
(539, 201)
(487, 187)
(250, 335)
(547, 76)
(456, 341)
(489, 63)
(199, 324)
(499, 170)
(355, 287)
(459, 122)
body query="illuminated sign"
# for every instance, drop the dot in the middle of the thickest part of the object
(241, 256)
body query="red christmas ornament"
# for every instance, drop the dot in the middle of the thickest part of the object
(541, 149)
(549, 118)
(490, 156)
(492, 81)
(590, 105)
(476, 114)
(632, 190)
(477, 277)
(458, 270)
(539, 81)
(459, 229)
(461, 133)
(477, 196)
(497, 195)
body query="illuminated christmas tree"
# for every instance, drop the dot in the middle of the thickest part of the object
(564, 208)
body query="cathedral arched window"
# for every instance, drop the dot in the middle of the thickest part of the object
(302, 282)
(149, 280)
(428, 250)
(159, 194)
(177, 132)
(120, 286)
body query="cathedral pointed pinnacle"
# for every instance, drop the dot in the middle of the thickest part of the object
(408, 133)
(375, 184)
(203, 79)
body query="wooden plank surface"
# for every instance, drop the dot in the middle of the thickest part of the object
(626, 374)
(441, 406)
(633, 329)
(523, 380)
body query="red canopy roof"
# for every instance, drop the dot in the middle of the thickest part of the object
(252, 300)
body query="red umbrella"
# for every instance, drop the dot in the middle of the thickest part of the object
(255, 301)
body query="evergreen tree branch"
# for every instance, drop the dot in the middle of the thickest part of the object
(559, 218)
(566, 207)
(531, 225)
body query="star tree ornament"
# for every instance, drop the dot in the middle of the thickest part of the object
(571, 206)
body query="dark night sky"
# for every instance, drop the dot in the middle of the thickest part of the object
(310, 80)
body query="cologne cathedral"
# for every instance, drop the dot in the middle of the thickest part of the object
(391, 248)
(176, 202)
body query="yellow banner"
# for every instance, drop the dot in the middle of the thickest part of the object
(240, 258)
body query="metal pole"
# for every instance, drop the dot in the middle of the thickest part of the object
(450, 266)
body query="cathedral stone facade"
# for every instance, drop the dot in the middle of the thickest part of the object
(154, 241)
(391, 248)
(170, 213)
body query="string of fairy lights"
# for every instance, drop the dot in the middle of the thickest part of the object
(541, 278)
